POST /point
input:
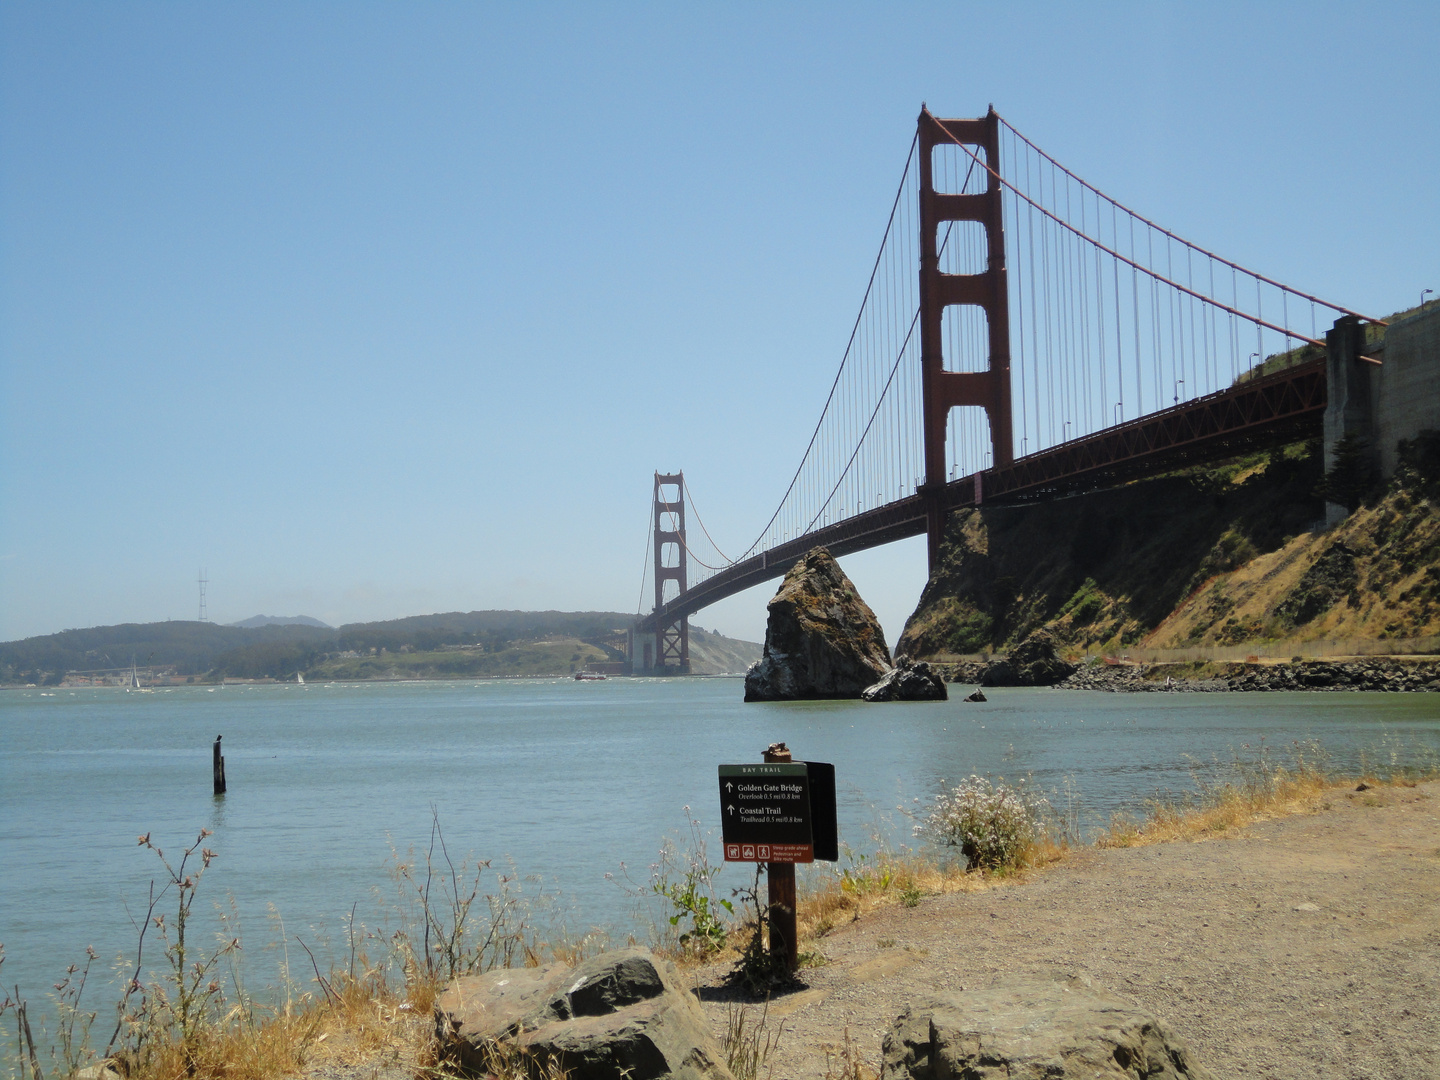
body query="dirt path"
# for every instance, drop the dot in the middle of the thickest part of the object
(1301, 947)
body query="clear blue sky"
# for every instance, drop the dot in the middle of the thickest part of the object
(379, 309)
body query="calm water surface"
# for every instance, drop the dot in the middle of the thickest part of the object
(566, 779)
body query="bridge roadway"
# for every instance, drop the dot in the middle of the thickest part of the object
(1272, 410)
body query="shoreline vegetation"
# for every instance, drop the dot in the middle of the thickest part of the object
(184, 1009)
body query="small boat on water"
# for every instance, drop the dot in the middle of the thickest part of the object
(135, 687)
(589, 676)
(300, 678)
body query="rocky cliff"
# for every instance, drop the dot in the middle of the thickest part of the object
(1222, 555)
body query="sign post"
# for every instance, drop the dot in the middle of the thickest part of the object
(780, 876)
(779, 813)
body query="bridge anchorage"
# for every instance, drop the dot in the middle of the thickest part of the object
(1043, 311)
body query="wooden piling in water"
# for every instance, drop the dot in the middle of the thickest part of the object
(218, 766)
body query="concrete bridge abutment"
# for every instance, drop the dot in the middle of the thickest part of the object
(1381, 391)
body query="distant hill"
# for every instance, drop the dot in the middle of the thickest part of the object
(257, 621)
(716, 654)
(446, 645)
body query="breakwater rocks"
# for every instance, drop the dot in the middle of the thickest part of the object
(1360, 674)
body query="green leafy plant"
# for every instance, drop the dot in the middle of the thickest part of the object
(1351, 474)
(692, 894)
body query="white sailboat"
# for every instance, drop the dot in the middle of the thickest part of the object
(299, 678)
(135, 686)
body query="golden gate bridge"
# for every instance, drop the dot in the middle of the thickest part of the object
(1023, 335)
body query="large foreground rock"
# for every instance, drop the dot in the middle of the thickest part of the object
(1033, 1029)
(821, 640)
(908, 681)
(622, 1014)
(1034, 662)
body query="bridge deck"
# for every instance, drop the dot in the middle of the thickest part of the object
(1269, 411)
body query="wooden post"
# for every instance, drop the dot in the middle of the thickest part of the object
(218, 766)
(784, 942)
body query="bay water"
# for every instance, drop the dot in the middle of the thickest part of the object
(566, 781)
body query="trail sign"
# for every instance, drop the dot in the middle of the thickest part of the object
(767, 812)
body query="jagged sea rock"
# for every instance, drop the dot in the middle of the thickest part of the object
(1034, 662)
(908, 680)
(620, 1014)
(1033, 1028)
(976, 695)
(821, 639)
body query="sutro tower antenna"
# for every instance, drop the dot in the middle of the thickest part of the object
(203, 582)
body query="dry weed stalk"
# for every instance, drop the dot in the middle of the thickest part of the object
(749, 1041)
(848, 1064)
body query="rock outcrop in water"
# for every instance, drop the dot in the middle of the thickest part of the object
(821, 640)
(908, 681)
(1035, 662)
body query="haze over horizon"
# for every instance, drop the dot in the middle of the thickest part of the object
(377, 311)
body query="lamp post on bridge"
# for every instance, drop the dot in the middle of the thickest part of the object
(1178, 383)
(1116, 412)
(1424, 293)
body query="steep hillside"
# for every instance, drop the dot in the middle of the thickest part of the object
(1208, 556)
(715, 654)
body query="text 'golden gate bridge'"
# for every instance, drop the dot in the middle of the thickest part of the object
(1082, 333)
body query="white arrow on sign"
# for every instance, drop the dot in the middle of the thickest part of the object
(731, 808)
(729, 786)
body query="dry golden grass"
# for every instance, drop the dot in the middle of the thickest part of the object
(355, 1023)
(1229, 807)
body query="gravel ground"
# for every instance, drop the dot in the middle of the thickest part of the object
(1300, 947)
